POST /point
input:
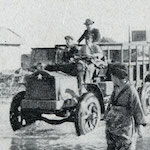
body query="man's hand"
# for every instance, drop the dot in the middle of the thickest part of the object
(98, 56)
(72, 59)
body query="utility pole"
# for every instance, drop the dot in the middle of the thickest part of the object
(129, 34)
(129, 54)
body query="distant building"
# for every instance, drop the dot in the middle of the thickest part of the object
(107, 40)
(139, 35)
(10, 54)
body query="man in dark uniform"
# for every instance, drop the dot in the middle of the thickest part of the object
(90, 31)
(72, 49)
(68, 66)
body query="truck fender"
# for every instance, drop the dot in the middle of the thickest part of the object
(94, 88)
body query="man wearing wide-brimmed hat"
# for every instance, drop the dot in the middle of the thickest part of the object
(124, 113)
(90, 31)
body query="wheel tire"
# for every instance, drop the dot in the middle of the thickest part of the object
(17, 119)
(88, 114)
(145, 98)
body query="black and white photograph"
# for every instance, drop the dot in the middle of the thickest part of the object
(75, 75)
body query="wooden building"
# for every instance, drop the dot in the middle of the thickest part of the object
(10, 53)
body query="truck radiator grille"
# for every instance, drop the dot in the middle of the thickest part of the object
(40, 89)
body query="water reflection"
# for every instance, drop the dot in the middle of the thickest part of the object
(45, 144)
(24, 144)
(42, 136)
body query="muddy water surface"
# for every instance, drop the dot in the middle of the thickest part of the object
(43, 136)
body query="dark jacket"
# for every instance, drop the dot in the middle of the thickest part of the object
(69, 54)
(95, 34)
(123, 108)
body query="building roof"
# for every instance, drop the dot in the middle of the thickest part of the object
(9, 37)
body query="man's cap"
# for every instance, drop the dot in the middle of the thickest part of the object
(68, 37)
(119, 70)
(88, 22)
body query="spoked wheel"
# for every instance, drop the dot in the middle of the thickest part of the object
(88, 114)
(17, 119)
(145, 98)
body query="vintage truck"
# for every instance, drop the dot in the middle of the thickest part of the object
(57, 93)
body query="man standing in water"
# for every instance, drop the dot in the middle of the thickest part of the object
(124, 113)
(90, 31)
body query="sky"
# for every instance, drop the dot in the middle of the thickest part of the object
(46, 22)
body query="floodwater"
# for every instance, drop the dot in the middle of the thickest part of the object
(43, 136)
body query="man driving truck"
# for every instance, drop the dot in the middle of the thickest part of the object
(68, 54)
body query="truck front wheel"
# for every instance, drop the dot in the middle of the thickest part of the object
(17, 118)
(88, 114)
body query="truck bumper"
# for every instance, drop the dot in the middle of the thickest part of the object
(51, 105)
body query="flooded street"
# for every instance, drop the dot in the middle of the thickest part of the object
(43, 136)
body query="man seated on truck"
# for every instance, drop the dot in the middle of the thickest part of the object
(70, 67)
(90, 31)
(94, 52)
(77, 68)
(68, 54)
(72, 49)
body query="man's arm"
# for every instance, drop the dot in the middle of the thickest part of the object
(82, 36)
(136, 108)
